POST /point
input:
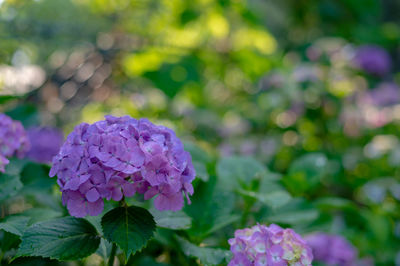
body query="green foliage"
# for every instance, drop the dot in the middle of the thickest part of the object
(15, 166)
(14, 224)
(129, 227)
(63, 239)
(297, 212)
(35, 178)
(274, 200)
(294, 217)
(236, 172)
(5, 98)
(9, 186)
(26, 113)
(41, 214)
(211, 209)
(307, 172)
(172, 220)
(200, 160)
(207, 256)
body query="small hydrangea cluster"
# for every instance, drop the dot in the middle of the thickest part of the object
(118, 157)
(45, 143)
(373, 60)
(332, 249)
(13, 140)
(269, 245)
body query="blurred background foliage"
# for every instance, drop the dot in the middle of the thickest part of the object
(274, 81)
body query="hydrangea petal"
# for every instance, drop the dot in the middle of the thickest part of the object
(172, 202)
(92, 195)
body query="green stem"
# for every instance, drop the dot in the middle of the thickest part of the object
(122, 202)
(112, 255)
(247, 208)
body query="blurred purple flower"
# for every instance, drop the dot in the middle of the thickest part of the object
(268, 147)
(297, 107)
(304, 73)
(387, 93)
(118, 157)
(373, 59)
(13, 140)
(271, 80)
(313, 53)
(45, 143)
(269, 245)
(332, 249)
(248, 147)
(226, 149)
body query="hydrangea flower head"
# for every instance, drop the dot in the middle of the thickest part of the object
(13, 140)
(269, 245)
(373, 59)
(45, 143)
(332, 249)
(118, 157)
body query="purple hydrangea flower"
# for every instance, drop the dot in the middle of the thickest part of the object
(45, 143)
(332, 249)
(269, 245)
(373, 60)
(118, 157)
(13, 140)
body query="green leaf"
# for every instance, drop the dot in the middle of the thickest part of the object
(201, 171)
(306, 172)
(234, 171)
(15, 166)
(96, 222)
(207, 256)
(274, 200)
(197, 153)
(14, 224)
(6, 98)
(335, 203)
(200, 160)
(269, 183)
(298, 211)
(65, 238)
(221, 222)
(35, 178)
(172, 220)
(9, 186)
(313, 164)
(378, 226)
(148, 261)
(104, 249)
(210, 208)
(129, 227)
(26, 113)
(294, 217)
(9, 241)
(40, 214)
